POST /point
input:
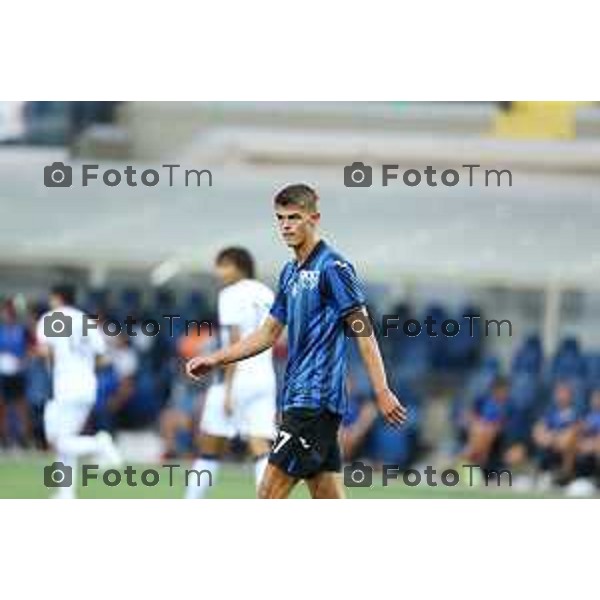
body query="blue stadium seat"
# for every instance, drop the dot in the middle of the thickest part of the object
(529, 357)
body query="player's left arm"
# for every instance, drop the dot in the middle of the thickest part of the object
(342, 287)
(387, 402)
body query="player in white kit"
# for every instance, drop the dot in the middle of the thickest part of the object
(242, 400)
(73, 358)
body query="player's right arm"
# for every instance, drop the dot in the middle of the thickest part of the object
(259, 341)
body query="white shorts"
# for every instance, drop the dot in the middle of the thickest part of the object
(66, 417)
(253, 414)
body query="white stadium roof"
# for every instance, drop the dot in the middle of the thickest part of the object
(542, 229)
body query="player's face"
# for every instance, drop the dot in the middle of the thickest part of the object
(563, 396)
(55, 301)
(227, 272)
(501, 393)
(296, 225)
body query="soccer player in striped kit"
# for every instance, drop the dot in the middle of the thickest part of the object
(321, 302)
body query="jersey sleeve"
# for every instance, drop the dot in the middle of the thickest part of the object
(279, 306)
(343, 288)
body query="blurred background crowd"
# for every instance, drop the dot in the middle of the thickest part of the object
(529, 401)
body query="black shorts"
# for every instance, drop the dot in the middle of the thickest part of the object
(307, 443)
(12, 387)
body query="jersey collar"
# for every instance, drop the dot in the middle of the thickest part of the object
(312, 256)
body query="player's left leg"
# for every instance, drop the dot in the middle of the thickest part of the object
(326, 483)
(326, 486)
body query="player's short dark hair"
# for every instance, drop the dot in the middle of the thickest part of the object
(66, 291)
(240, 257)
(298, 194)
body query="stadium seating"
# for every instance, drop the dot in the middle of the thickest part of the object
(413, 362)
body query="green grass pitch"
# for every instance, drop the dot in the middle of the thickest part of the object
(23, 478)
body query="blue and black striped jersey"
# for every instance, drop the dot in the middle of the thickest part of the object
(312, 300)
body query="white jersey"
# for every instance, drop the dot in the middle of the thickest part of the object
(73, 355)
(246, 304)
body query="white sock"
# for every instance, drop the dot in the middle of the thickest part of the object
(72, 447)
(197, 485)
(260, 464)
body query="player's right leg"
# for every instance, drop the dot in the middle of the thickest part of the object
(216, 429)
(306, 448)
(275, 484)
(63, 422)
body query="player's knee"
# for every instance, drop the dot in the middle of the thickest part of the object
(265, 490)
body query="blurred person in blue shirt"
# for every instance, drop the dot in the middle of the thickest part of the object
(357, 422)
(14, 344)
(116, 385)
(185, 402)
(487, 424)
(555, 436)
(588, 444)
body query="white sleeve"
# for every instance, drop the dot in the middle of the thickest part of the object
(230, 308)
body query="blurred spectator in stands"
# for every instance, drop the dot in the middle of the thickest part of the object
(14, 409)
(357, 423)
(466, 403)
(486, 426)
(555, 438)
(178, 418)
(116, 383)
(587, 463)
(108, 385)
